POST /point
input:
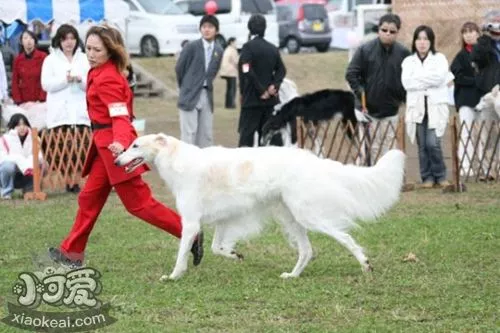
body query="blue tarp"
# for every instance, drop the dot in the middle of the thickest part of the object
(62, 11)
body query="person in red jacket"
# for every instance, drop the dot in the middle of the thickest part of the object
(27, 71)
(110, 108)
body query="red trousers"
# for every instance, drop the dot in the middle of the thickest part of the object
(134, 194)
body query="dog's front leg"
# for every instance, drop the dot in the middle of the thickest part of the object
(189, 231)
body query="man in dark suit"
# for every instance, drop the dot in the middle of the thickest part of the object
(196, 69)
(261, 71)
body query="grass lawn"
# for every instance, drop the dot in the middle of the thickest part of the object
(452, 286)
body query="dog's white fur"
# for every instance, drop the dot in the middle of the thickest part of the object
(489, 109)
(489, 104)
(240, 189)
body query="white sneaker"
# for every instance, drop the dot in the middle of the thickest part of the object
(6, 197)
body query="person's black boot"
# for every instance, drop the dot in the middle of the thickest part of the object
(58, 257)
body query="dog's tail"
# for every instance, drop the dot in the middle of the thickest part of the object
(371, 191)
(383, 185)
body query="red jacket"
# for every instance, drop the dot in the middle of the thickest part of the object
(26, 78)
(110, 101)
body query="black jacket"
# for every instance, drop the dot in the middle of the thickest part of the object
(259, 66)
(377, 70)
(466, 92)
(484, 56)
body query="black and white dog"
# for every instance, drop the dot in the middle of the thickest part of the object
(318, 106)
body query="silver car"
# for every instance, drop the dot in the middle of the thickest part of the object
(303, 25)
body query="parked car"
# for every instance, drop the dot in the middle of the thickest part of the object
(158, 27)
(303, 23)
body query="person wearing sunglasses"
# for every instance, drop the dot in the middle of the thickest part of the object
(375, 71)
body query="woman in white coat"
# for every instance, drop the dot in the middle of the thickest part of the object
(425, 77)
(64, 78)
(16, 157)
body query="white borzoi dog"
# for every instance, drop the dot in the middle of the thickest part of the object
(240, 189)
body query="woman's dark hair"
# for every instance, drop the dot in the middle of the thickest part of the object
(231, 40)
(16, 119)
(430, 35)
(32, 35)
(468, 26)
(62, 32)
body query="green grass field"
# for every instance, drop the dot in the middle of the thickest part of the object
(452, 286)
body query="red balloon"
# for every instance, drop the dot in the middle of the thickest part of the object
(210, 7)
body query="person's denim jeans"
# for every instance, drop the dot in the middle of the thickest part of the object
(430, 154)
(11, 177)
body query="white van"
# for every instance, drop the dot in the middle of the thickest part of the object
(233, 17)
(158, 27)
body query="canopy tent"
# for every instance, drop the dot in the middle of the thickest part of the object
(16, 14)
(64, 11)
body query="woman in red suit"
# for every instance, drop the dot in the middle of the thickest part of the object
(109, 100)
(27, 71)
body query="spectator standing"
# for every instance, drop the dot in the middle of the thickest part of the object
(375, 70)
(229, 72)
(64, 78)
(27, 71)
(486, 59)
(425, 77)
(486, 54)
(466, 94)
(196, 68)
(261, 72)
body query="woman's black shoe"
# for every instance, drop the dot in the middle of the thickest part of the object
(58, 257)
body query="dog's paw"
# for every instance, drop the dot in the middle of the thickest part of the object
(286, 275)
(173, 276)
(237, 256)
(367, 267)
(176, 275)
(164, 278)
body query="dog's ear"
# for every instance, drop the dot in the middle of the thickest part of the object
(161, 140)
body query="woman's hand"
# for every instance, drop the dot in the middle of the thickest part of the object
(116, 148)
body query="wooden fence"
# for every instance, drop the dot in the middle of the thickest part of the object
(359, 145)
(64, 150)
(476, 157)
